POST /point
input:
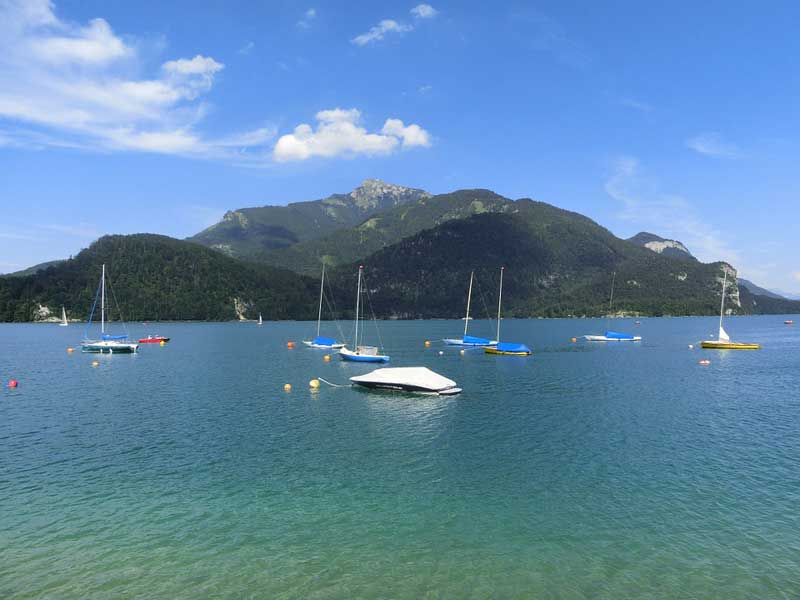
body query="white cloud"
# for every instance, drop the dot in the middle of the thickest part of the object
(796, 275)
(712, 144)
(247, 48)
(424, 11)
(68, 85)
(636, 104)
(668, 215)
(378, 32)
(308, 18)
(339, 134)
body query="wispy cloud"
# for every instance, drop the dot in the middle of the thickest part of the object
(635, 104)
(68, 85)
(424, 11)
(308, 18)
(669, 215)
(712, 144)
(548, 35)
(247, 48)
(339, 134)
(380, 31)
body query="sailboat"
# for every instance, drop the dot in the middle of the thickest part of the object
(613, 336)
(361, 353)
(64, 322)
(260, 320)
(723, 341)
(469, 340)
(320, 341)
(107, 344)
(508, 348)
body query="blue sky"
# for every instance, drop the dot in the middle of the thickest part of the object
(678, 119)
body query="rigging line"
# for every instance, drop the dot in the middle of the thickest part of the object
(119, 310)
(331, 303)
(483, 301)
(91, 314)
(374, 320)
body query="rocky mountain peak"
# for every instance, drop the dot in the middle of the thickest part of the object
(374, 192)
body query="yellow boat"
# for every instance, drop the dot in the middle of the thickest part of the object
(723, 341)
(508, 349)
(729, 345)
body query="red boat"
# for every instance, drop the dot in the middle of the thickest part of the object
(154, 339)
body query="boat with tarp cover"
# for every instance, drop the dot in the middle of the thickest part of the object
(415, 380)
(505, 348)
(469, 340)
(613, 336)
(107, 344)
(321, 341)
(723, 341)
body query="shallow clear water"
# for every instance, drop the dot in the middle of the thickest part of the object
(585, 471)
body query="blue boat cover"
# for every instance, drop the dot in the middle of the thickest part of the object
(512, 347)
(323, 341)
(114, 337)
(618, 336)
(471, 339)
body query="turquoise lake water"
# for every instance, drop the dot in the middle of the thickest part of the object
(586, 471)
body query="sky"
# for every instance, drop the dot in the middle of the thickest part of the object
(676, 118)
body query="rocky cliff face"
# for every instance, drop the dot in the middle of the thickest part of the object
(671, 248)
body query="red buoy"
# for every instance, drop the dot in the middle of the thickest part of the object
(13, 383)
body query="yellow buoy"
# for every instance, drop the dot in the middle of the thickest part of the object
(161, 343)
(427, 343)
(313, 384)
(462, 353)
(327, 358)
(287, 387)
(70, 350)
(95, 363)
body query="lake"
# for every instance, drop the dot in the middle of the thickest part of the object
(585, 471)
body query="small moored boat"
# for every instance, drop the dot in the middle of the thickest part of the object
(153, 339)
(321, 341)
(107, 344)
(613, 336)
(419, 380)
(469, 340)
(788, 322)
(361, 353)
(723, 341)
(505, 348)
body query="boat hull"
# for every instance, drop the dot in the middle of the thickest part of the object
(494, 350)
(108, 348)
(153, 340)
(351, 356)
(323, 346)
(412, 380)
(713, 345)
(456, 342)
(602, 338)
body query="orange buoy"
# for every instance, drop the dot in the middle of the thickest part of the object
(427, 343)
(327, 358)
(574, 340)
(95, 363)
(12, 383)
(287, 387)
(290, 344)
(70, 350)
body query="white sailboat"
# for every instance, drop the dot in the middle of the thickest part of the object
(260, 321)
(361, 353)
(723, 341)
(64, 322)
(613, 336)
(107, 344)
(321, 341)
(469, 340)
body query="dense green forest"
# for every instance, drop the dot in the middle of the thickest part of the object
(155, 277)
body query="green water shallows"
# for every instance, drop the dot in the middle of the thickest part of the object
(586, 471)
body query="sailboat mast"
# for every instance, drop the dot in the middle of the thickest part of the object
(358, 304)
(500, 302)
(469, 299)
(611, 300)
(722, 302)
(321, 291)
(103, 301)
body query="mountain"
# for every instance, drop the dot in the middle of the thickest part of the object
(156, 278)
(386, 228)
(671, 248)
(33, 269)
(754, 289)
(767, 305)
(558, 263)
(252, 232)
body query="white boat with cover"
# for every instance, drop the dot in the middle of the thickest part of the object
(418, 380)
(319, 341)
(469, 340)
(107, 344)
(612, 336)
(361, 353)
